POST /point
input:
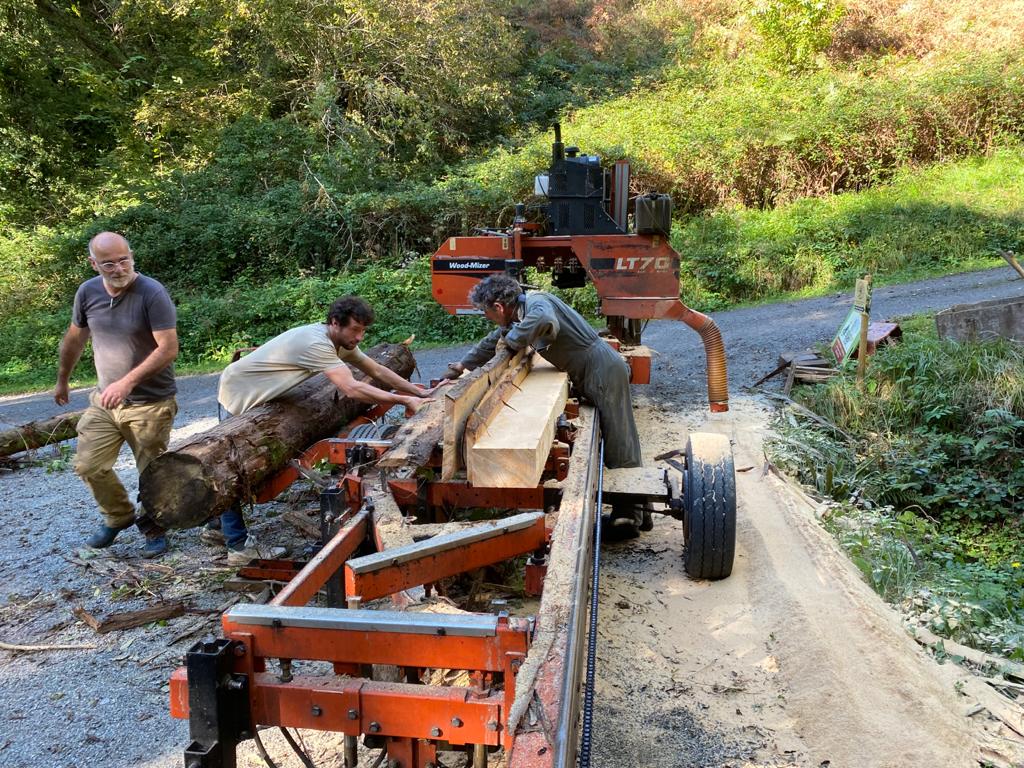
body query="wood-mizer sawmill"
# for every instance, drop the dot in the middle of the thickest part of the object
(419, 685)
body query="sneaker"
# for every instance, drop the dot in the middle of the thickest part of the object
(105, 536)
(155, 546)
(213, 537)
(252, 550)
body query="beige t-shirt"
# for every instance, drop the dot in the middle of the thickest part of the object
(280, 364)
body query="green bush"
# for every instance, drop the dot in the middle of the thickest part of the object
(939, 426)
(795, 32)
(945, 218)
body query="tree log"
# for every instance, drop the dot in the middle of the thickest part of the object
(35, 434)
(415, 441)
(211, 471)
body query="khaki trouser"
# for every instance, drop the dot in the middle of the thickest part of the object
(102, 432)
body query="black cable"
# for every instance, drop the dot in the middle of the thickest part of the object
(380, 758)
(261, 749)
(588, 690)
(296, 748)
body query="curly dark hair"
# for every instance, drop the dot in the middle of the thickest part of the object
(493, 289)
(348, 308)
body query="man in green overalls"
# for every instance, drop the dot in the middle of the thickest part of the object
(563, 338)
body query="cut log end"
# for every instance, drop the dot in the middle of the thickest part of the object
(177, 492)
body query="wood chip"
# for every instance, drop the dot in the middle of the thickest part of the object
(130, 619)
(33, 648)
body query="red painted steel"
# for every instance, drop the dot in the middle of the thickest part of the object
(385, 709)
(432, 567)
(328, 561)
(462, 495)
(397, 648)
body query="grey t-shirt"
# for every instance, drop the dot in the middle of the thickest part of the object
(122, 332)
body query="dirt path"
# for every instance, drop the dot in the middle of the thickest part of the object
(792, 661)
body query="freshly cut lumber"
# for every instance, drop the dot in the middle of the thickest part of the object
(415, 440)
(38, 433)
(208, 473)
(494, 401)
(459, 402)
(512, 449)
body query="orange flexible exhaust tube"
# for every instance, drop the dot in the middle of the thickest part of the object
(714, 350)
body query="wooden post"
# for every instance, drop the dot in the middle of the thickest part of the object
(862, 301)
(1011, 259)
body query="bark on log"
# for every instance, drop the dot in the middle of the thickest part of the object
(211, 471)
(415, 441)
(36, 434)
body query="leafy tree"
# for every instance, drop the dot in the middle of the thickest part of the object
(796, 31)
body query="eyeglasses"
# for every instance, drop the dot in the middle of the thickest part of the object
(110, 266)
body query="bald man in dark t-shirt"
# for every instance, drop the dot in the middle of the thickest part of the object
(132, 322)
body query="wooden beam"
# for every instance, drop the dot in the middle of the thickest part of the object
(510, 451)
(459, 401)
(510, 382)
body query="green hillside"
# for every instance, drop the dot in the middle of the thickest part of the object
(264, 156)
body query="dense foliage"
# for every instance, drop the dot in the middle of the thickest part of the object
(931, 480)
(260, 144)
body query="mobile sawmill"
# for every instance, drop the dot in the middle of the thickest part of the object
(393, 526)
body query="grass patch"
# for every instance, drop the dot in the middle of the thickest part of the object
(930, 489)
(949, 217)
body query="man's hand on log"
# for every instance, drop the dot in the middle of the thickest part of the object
(427, 391)
(413, 404)
(454, 371)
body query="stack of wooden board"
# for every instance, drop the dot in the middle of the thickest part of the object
(511, 449)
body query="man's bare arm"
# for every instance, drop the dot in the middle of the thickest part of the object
(70, 353)
(165, 353)
(364, 391)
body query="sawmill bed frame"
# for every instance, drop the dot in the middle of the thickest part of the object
(525, 689)
(230, 687)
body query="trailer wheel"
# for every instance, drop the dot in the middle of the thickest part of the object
(709, 507)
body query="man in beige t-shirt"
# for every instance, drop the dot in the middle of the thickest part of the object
(289, 359)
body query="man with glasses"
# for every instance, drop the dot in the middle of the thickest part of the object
(132, 323)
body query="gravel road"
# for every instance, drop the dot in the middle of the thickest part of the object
(751, 671)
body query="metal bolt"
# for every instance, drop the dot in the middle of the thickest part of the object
(375, 727)
(353, 714)
(492, 725)
(236, 685)
(240, 649)
(456, 722)
(316, 711)
(435, 731)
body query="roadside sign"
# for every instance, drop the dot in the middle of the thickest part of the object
(862, 295)
(846, 340)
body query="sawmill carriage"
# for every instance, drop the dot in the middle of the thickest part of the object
(390, 526)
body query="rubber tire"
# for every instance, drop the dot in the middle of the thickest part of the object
(709, 505)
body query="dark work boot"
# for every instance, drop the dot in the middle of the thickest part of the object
(105, 536)
(648, 522)
(623, 523)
